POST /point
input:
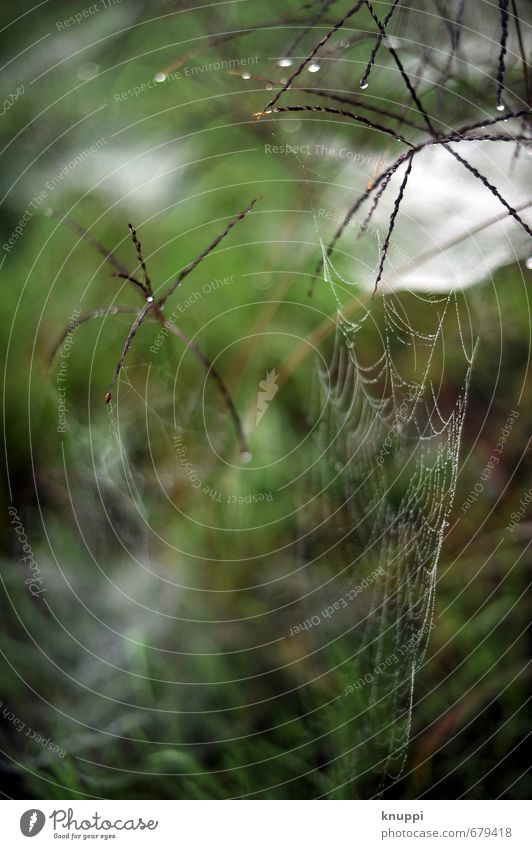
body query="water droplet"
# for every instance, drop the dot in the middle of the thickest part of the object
(268, 86)
(246, 76)
(160, 77)
(500, 107)
(285, 62)
(150, 299)
(363, 83)
(245, 456)
(528, 263)
(313, 68)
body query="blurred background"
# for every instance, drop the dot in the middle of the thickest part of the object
(159, 582)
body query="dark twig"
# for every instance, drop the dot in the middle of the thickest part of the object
(215, 242)
(403, 73)
(127, 345)
(382, 188)
(94, 243)
(153, 309)
(361, 104)
(501, 70)
(156, 306)
(309, 58)
(73, 325)
(378, 41)
(138, 248)
(491, 187)
(391, 225)
(352, 212)
(345, 114)
(385, 176)
(134, 280)
(333, 95)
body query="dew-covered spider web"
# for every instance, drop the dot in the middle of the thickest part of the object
(386, 460)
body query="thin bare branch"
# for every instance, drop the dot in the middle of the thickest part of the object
(345, 114)
(378, 42)
(393, 216)
(403, 73)
(195, 262)
(489, 186)
(94, 243)
(134, 280)
(501, 70)
(311, 55)
(73, 325)
(138, 248)
(127, 345)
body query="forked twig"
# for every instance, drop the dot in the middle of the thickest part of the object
(377, 44)
(138, 248)
(127, 345)
(73, 325)
(76, 228)
(361, 119)
(153, 309)
(391, 225)
(309, 58)
(215, 242)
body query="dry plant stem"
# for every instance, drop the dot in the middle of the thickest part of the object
(353, 101)
(156, 306)
(456, 136)
(215, 242)
(382, 188)
(491, 187)
(337, 98)
(433, 252)
(84, 234)
(134, 281)
(393, 216)
(343, 113)
(213, 373)
(503, 7)
(138, 248)
(216, 40)
(127, 345)
(403, 73)
(377, 44)
(73, 325)
(311, 55)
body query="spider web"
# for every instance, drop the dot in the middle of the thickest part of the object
(386, 460)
